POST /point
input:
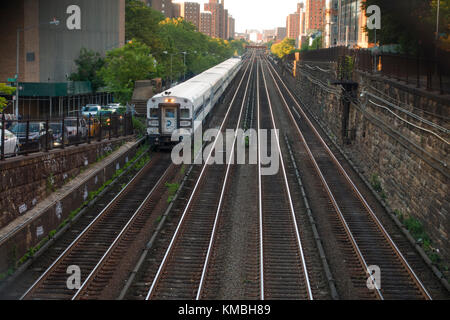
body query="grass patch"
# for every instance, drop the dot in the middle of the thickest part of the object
(376, 183)
(172, 188)
(417, 231)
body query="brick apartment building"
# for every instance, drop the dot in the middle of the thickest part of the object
(231, 27)
(293, 23)
(206, 23)
(280, 33)
(164, 6)
(314, 15)
(218, 22)
(190, 11)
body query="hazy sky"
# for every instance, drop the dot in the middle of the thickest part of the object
(258, 14)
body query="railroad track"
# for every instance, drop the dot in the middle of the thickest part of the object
(364, 239)
(181, 272)
(114, 225)
(283, 271)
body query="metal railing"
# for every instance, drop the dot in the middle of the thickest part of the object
(423, 72)
(25, 136)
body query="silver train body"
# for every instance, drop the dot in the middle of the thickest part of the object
(188, 104)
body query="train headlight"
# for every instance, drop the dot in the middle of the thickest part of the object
(185, 123)
(153, 123)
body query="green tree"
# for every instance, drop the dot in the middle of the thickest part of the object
(123, 66)
(411, 24)
(5, 90)
(88, 65)
(285, 47)
(142, 23)
(316, 44)
(168, 38)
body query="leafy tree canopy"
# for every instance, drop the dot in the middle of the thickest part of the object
(88, 64)
(285, 47)
(411, 22)
(5, 90)
(123, 66)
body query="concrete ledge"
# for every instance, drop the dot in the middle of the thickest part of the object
(31, 228)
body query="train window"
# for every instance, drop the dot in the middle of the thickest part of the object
(170, 113)
(154, 113)
(185, 113)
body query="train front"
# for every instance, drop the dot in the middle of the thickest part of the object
(165, 114)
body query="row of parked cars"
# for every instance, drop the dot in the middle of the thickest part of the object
(96, 110)
(75, 128)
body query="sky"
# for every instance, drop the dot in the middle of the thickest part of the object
(258, 14)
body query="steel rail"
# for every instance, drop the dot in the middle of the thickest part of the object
(373, 216)
(84, 232)
(222, 194)
(288, 191)
(261, 245)
(188, 205)
(120, 235)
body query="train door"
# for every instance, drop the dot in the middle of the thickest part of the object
(169, 118)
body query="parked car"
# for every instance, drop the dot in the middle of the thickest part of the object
(91, 109)
(11, 143)
(36, 136)
(71, 128)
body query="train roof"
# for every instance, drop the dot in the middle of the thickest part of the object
(194, 88)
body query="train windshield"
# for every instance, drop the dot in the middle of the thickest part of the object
(170, 113)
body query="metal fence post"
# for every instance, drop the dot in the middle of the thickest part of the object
(2, 151)
(62, 134)
(100, 129)
(78, 133)
(46, 148)
(27, 133)
(89, 129)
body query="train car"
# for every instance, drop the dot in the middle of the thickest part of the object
(188, 104)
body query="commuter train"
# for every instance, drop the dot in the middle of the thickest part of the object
(188, 104)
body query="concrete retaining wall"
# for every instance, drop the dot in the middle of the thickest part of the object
(31, 232)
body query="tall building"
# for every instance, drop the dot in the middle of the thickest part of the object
(206, 23)
(314, 15)
(218, 18)
(48, 47)
(280, 33)
(176, 10)
(269, 35)
(164, 6)
(231, 27)
(293, 26)
(190, 11)
(351, 22)
(225, 24)
(330, 35)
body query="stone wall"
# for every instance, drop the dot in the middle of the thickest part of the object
(26, 181)
(410, 163)
(54, 210)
